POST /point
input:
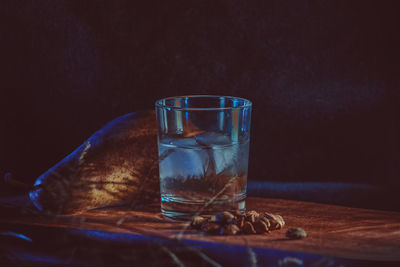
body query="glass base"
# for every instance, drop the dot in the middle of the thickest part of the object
(183, 209)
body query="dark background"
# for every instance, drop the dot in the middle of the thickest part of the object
(322, 76)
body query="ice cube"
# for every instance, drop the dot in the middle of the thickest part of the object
(225, 159)
(213, 139)
(224, 153)
(185, 159)
(189, 142)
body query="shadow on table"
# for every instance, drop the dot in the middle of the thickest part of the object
(344, 194)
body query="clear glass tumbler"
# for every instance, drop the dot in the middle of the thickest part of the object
(203, 144)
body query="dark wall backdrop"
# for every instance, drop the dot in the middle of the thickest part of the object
(323, 77)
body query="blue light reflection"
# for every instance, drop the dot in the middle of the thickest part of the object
(20, 236)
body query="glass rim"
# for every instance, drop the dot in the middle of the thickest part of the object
(246, 103)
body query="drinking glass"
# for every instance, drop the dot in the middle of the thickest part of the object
(203, 144)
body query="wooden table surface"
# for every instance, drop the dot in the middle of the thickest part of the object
(332, 230)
